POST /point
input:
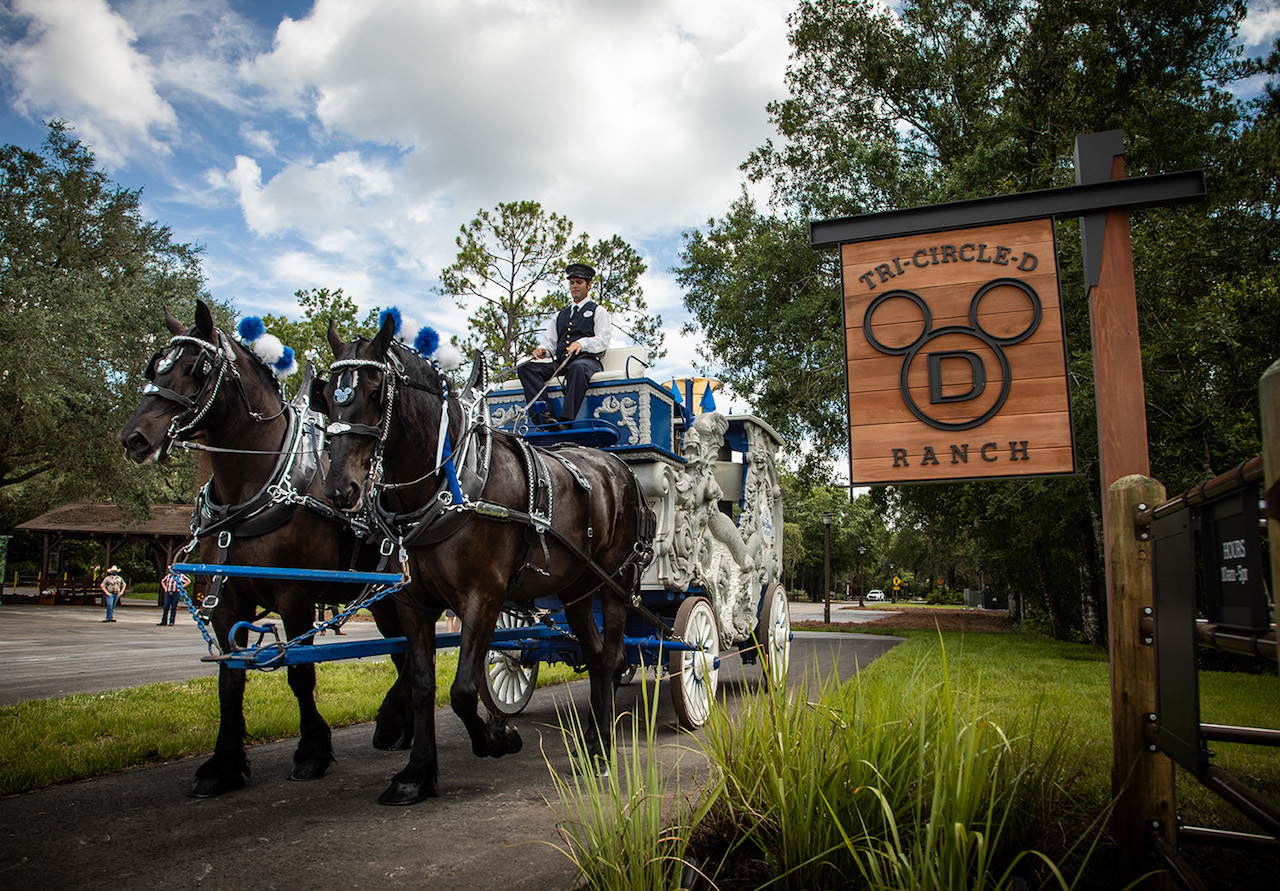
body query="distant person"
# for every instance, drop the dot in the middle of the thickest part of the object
(169, 585)
(112, 586)
(576, 337)
(320, 610)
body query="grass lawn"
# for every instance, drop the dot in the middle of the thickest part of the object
(1020, 677)
(1025, 684)
(49, 741)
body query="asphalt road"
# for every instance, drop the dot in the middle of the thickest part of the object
(491, 827)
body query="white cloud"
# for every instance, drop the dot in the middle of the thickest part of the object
(78, 61)
(1261, 26)
(344, 147)
(586, 107)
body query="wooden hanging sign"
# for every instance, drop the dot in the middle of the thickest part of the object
(956, 358)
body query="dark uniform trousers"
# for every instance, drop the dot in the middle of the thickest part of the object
(576, 374)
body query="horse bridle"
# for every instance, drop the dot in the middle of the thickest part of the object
(217, 360)
(393, 371)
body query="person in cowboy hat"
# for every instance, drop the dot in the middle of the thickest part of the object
(576, 337)
(112, 586)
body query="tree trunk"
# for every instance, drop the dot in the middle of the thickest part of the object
(1090, 613)
(1050, 605)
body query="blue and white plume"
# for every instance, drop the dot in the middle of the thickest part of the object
(267, 347)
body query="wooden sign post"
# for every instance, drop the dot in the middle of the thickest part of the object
(949, 354)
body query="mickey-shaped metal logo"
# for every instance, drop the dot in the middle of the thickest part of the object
(978, 371)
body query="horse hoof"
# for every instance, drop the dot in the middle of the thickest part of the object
(503, 741)
(308, 770)
(212, 787)
(399, 793)
(387, 738)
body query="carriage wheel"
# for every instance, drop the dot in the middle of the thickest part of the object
(694, 672)
(508, 685)
(773, 635)
(628, 675)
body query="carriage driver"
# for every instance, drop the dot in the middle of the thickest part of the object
(580, 333)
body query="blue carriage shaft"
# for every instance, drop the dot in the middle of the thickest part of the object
(541, 643)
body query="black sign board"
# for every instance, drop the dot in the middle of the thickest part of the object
(1232, 562)
(1177, 683)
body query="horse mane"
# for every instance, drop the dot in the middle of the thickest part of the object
(266, 375)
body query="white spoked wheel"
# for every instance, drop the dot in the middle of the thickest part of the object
(773, 634)
(694, 672)
(508, 685)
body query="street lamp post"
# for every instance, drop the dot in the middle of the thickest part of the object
(826, 568)
(862, 575)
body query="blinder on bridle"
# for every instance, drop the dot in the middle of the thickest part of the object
(346, 382)
(213, 358)
(163, 360)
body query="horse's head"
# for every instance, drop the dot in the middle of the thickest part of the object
(186, 381)
(384, 400)
(358, 397)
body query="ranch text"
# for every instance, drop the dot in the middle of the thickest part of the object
(959, 454)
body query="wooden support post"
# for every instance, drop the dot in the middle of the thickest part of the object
(1142, 777)
(1269, 409)
(1117, 354)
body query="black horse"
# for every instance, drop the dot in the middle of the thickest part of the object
(486, 520)
(261, 507)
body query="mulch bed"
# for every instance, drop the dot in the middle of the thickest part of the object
(921, 618)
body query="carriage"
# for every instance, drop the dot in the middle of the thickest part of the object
(712, 585)
(646, 534)
(714, 579)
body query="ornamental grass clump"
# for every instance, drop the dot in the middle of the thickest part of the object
(884, 783)
(895, 780)
(625, 825)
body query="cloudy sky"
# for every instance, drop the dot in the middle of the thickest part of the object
(341, 143)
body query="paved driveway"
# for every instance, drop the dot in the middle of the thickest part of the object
(491, 827)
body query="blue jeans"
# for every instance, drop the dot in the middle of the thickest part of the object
(110, 600)
(170, 611)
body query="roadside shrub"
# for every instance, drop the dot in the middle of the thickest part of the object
(885, 782)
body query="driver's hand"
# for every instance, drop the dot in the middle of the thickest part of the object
(540, 353)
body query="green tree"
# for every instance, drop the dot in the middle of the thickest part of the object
(617, 285)
(858, 536)
(509, 272)
(768, 308)
(948, 100)
(309, 332)
(84, 282)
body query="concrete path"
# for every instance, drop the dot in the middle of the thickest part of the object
(493, 826)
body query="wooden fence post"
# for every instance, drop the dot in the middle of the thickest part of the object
(1142, 777)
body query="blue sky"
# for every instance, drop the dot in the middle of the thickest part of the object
(341, 143)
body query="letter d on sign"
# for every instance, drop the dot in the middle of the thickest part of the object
(977, 376)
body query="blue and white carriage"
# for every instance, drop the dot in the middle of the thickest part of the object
(712, 482)
(714, 580)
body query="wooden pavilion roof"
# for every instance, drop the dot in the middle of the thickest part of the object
(85, 518)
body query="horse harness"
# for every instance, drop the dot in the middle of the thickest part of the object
(275, 503)
(216, 360)
(457, 497)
